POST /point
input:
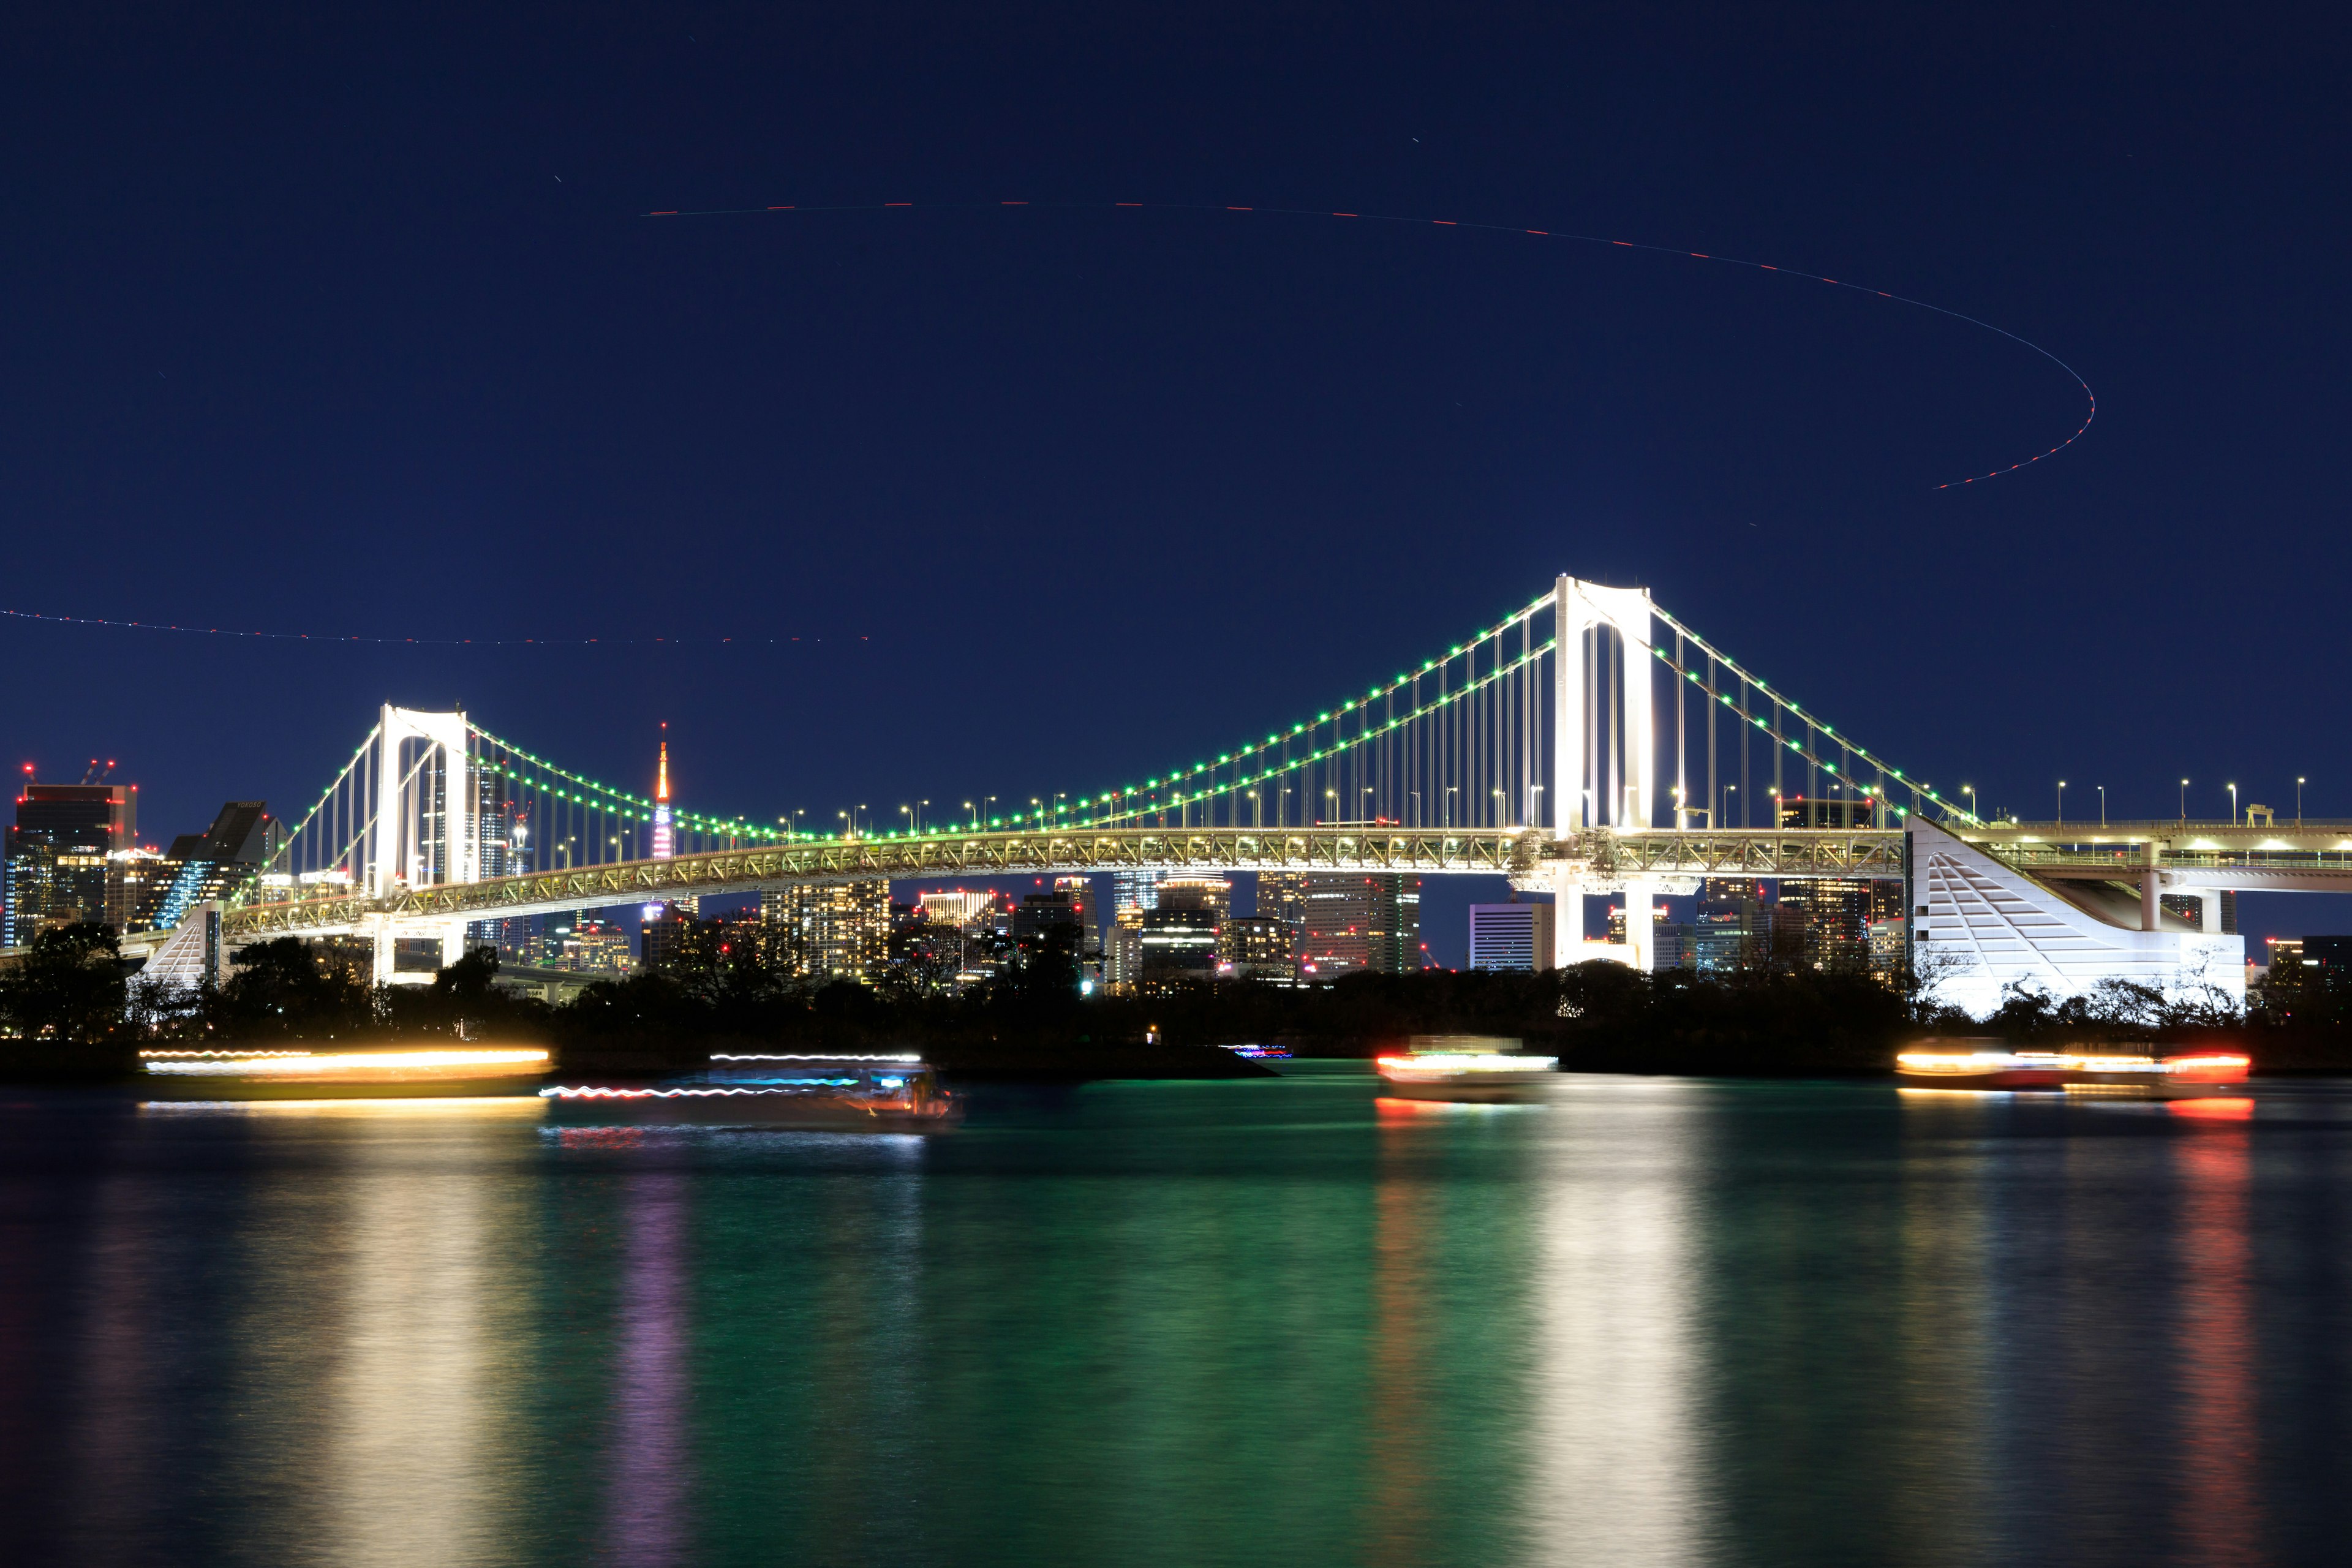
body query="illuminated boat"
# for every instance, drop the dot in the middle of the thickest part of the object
(359, 1072)
(1261, 1053)
(885, 1093)
(2085, 1073)
(1473, 1067)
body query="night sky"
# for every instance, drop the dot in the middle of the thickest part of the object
(351, 325)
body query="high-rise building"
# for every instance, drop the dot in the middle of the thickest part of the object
(1213, 896)
(1282, 896)
(1359, 922)
(596, 946)
(962, 908)
(217, 863)
(1038, 914)
(1731, 921)
(1180, 943)
(1134, 890)
(1256, 947)
(1123, 948)
(1833, 916)
(1080, 892)
(831, 930)
(1512, 936)
(2190, 909)
(59, 855)
(1798, 811)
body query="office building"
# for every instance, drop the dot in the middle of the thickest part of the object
(1179, 942)
(834, 930)
(216, 864)
(1123, 948)
(966, 910)
(58, 860)
(596, 945)
(1732, 922)
(2329, 953)
(1797, 811)
(1080, 892)
(1832, 917)
(1512, 936)
(1213, 896)
(1256, 947)
(1040, 914)
(1359, 923)
(2190, 909)
(1135, 890)
(1282, 896)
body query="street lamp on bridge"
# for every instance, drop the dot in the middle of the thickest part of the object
(2102, 804)
(2234, 803)
(2062, 803)
(2184, 803)
(1970, 790)
(2298, 802)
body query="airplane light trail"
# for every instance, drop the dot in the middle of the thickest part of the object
(2090, 398)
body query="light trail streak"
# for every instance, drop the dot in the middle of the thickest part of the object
(347, 637)
(2090, 401)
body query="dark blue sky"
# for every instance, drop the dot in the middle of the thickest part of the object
(334, 324)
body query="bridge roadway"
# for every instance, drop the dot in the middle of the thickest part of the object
(2317, 856)
(1531, 857)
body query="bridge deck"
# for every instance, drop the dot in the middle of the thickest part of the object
(2194, 855)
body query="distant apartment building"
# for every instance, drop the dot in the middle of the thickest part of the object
(1357, 923)
(834, 930)
(1123, 948)
(1512, 936)
(1256, 947)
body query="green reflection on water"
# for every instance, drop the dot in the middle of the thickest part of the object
(1645, 1321)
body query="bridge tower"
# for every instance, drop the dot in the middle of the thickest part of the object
(1603, 772)
(428, 824)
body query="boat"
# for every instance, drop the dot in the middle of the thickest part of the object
(357, 1072)
(1261, 1053)
(1465, 1068)
(2119, 1074)
(874, 1093)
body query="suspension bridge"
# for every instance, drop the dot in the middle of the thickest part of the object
(1587, 744)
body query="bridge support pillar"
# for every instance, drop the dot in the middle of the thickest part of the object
(381, 949)
(1568, 946)
(2209, 911)
(2151, 912)
(1640, 923)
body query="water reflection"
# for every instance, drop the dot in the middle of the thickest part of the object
(417, 1448)
(650, 1481)
(1650, 1323)
(2219, 1519)
(1618, 1470)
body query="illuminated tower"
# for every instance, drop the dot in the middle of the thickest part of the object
(665, 838)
